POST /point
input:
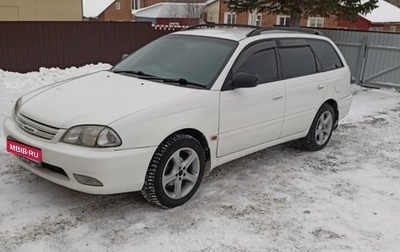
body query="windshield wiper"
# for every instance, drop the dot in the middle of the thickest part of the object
(179, 81)
(134, 72)
(143, 75)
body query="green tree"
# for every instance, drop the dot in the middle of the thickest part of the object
(296, 9)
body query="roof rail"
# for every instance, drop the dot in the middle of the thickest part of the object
(283, 28)
(213, 25)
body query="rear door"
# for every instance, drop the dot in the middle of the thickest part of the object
(305, 85)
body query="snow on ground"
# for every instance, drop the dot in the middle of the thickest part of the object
(343, 198)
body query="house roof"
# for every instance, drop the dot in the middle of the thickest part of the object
(167, 10)
(208, 2)
(385, 13)
(93, 8)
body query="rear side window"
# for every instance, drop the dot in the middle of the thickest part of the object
(297, 61)
(326, 54)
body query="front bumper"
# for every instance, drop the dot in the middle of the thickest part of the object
(119, 170)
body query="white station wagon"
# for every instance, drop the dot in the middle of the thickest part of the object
(179, 107)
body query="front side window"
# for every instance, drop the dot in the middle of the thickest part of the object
(297, 61)
(195, 59)
(262, 63)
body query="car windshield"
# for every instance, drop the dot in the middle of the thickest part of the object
(179, 59)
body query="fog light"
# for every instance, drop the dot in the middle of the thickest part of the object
(85, 180)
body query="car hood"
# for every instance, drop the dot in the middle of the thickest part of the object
(99, 98)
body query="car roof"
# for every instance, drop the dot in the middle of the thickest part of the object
(243, 32)
(224, 33)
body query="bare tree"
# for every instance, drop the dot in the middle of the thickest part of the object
(193, 10)
(174, 11)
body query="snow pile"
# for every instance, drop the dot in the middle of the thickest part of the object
(345, 197)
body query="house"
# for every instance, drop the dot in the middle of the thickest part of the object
(211, 11)
(171, 13)
(41, 10)
(107, 10)
(384, 18)
(265, 19)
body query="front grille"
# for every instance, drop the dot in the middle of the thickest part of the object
(36, 128)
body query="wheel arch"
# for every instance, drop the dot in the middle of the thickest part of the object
(334, 105)
(199, 136)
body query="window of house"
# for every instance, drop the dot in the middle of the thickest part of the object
(230, 18)
(315, 22)
(393, 28)
(326, 55)
(117, 5)
(282, 20)
(297, 61)
(135, 4)
(257, 21)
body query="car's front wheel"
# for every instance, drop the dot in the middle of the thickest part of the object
(175, 171)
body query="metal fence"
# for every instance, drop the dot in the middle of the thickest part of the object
(373, 57)
(27, 46)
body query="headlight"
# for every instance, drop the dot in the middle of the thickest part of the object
(16, 107)
(92, 136)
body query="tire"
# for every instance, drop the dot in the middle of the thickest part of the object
(320, 131)
(175, 171)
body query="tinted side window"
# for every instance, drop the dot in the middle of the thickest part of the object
(263, 64)
(326, 54)
(297, 61)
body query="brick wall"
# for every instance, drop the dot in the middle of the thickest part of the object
(113, 14)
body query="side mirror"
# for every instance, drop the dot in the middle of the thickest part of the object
(124, 56)
(244, 80)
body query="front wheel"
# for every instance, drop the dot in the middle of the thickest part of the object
(320, 131)
(175, 171)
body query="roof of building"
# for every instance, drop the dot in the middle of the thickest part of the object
(93, 8)
(385, 13)
(170, 10)
(209, 2)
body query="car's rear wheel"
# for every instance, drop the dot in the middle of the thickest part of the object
(320, 131)
(175, 171)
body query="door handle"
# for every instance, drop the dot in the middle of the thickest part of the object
(278, 97)
(321, 86)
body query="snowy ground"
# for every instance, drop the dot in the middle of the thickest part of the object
(343, 198)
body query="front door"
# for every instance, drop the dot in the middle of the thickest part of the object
(252, 116)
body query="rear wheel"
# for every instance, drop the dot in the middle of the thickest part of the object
(320, 131)
(175, 171)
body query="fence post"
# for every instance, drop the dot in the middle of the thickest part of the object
(361, 61)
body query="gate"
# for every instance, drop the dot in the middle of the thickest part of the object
(373, 57)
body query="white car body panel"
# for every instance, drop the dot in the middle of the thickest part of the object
(250, 116)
